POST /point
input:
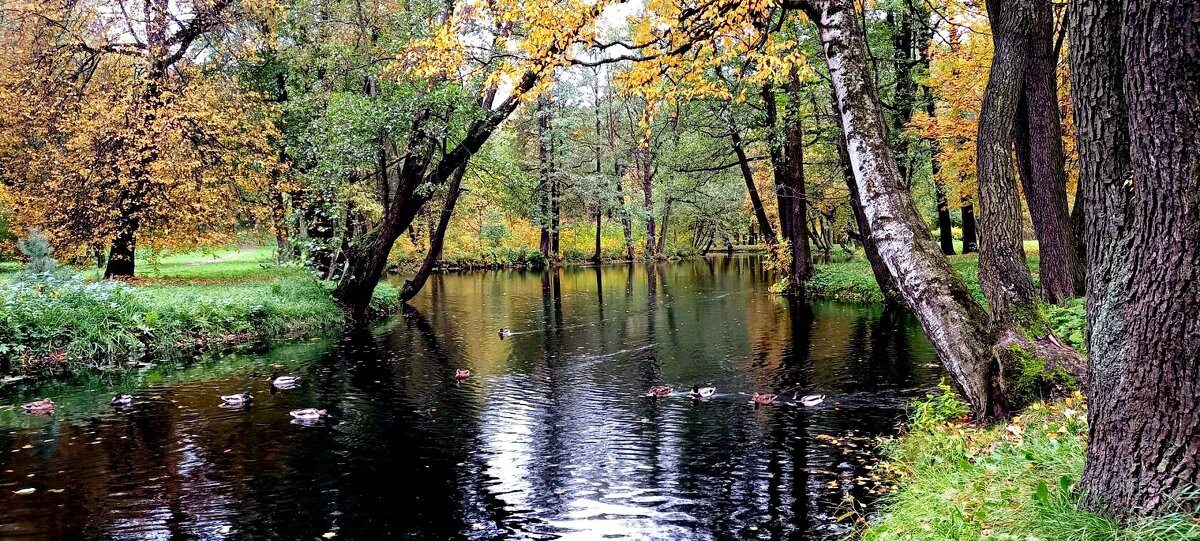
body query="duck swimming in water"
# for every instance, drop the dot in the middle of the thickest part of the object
(658, 392)
(308, 414)
(44, 406)
(240, 399)
(504, 333)
(811, 400)
(121, 401)
(764, 399)
(461, 375)
(285, 382)
(699, 392)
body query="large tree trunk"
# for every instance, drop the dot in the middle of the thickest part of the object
(437, 240)
(1144, 250)
(1043, 175)
(1003, 272)
(760, 213)
(954, 322)
(121, 254)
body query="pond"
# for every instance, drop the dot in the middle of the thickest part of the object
(549, 438)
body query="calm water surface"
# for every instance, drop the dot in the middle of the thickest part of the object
(550, 438)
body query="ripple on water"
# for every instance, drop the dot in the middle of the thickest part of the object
(550, 437)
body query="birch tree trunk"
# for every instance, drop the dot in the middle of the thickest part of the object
(955, 323)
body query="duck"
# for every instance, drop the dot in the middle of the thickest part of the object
(699, 392)
(121, 401)
(308, 414)
(461, 374)
(504, 332)
(284, 382)
(240, 399)
(764, 399)
(44, 406)
(812, 400)
(659, 391)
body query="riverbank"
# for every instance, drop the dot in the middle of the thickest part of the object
(175, 306)
(961, 482)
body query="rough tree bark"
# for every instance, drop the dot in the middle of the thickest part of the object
(1003, 272)
(1144, 249)
(1038, 139)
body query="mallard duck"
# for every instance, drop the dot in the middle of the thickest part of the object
(657, 391)
(764, 399)
(121, 401)
(812, 400)
(284, 382)
(699, 392)
(240, 399)
(44, 406)
(461, 374)
(504, 333)
(308, 414)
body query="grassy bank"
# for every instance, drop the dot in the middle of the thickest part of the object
(69, 322)
(961, 482)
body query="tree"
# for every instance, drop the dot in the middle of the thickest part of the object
(1135, 96)
(1039, 146)
(979, 351)
(145, 142)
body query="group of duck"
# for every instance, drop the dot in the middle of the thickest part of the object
(759, 399)
(45, 406)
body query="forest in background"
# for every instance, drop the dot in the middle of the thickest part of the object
(360, 134)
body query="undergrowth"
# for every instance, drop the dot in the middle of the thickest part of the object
(958, 481)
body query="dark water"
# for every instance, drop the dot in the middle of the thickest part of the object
(550, 438)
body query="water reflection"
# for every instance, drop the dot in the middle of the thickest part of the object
(549, 438)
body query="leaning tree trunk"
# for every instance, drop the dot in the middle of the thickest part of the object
(1144, 411)
(368, 260)
(437, 240)
(954, 322)
(1043, 174)
(1003, 272)
(760, 213)
(883, 276)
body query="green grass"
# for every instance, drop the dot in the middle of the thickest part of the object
(961, 482)
(853, 281)
(178, 304)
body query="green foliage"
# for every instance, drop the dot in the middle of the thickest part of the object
(1069, 322)
(937, 408)
(961, 482)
